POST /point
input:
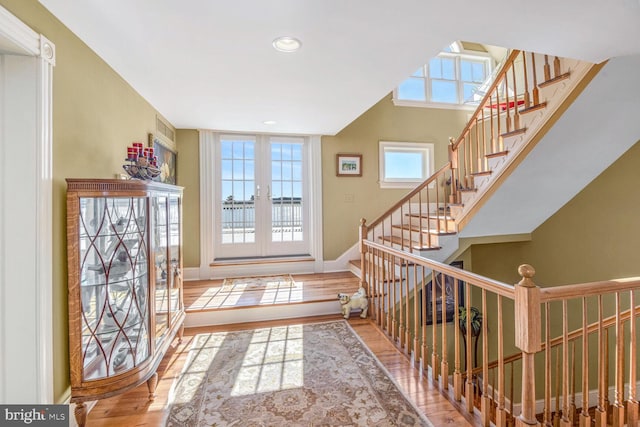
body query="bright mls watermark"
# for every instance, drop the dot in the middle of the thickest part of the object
(34, 415)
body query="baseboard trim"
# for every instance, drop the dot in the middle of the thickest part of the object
(593, 399)
(190, 274)
(342, 262)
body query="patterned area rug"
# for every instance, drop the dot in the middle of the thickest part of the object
(301, 375)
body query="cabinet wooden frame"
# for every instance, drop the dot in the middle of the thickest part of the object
(155, 210)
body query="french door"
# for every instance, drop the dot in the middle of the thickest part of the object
(261, 204)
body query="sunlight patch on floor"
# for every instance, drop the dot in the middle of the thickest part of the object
(204, 349)
(273, 361)
(251, 291)
(276, 293)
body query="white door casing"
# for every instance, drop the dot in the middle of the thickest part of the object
(260, 196)
(26, 352)
(208, 196)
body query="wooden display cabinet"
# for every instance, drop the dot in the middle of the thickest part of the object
(124, 246)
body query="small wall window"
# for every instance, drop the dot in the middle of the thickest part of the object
(405, 164)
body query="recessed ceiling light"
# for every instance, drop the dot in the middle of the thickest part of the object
(269, 122)
(286, 44)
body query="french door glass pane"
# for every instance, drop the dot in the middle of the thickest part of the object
(238, 190)
(286, 187)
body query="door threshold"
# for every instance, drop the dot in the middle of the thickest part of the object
(261, 260)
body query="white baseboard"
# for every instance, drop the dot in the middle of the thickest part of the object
(593, 399)
(190, 274)
(342, 262)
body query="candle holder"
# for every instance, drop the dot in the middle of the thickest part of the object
(140, 168)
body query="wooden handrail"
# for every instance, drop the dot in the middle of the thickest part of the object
(408, 196)
(487, 97)
(558, 293)
(482, 282)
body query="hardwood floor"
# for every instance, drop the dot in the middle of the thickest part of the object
(134, 409)
(205, 295)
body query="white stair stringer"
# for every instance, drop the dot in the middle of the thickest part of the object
(554, 95)
(596, 129)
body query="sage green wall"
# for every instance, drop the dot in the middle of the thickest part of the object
(595, 236)
(96, 115)
(189, 178)
(346, 200)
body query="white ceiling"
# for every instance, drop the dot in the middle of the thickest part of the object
(209, 64)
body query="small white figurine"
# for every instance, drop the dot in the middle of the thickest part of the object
(357, 300)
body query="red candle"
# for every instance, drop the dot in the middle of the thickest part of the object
(138, 147)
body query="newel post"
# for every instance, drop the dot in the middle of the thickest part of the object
(453, 161)
(528, 339)
(363, 235)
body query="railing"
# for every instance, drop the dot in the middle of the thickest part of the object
(429, 210)
(239, 215)
(539, 378)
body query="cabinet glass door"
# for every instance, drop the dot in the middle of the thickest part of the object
(160, 245)
(174, 251)
(114, 285)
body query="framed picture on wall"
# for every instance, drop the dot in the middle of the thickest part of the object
(348, 164)
(166, 160)
(444, 309)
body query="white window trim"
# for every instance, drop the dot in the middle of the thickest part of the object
(469, 55)
(427, 147)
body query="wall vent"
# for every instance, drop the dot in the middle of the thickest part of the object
(165, 130)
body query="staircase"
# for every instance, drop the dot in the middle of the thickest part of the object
(538, 370)
(528, 95)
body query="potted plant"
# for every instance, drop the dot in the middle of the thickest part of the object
(476, 328)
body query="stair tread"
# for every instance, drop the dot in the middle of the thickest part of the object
(555, 80)
(423, 230)
(533, 108)
(514, 132)
(431, 215)
(412, 244)
(482, 173)
(497, 154)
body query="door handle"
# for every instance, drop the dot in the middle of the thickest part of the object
(257, 192)
(269, 192)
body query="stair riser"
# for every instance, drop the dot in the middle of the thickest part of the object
(455, 211)
(414, 236)
(257, 314)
